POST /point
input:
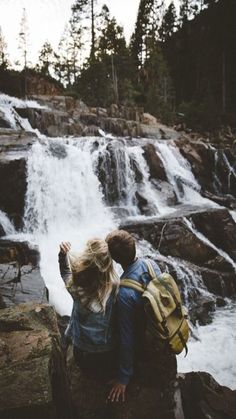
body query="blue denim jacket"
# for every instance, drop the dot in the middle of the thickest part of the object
(89, 331)
(130, 315)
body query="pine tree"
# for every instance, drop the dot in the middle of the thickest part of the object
(63, 66)
(103, 79)
(146, 29)
(85, 10)
(169, 23)
(24, 39)
(46, 59)
(111, 39)
(4, 61)
(67, 65)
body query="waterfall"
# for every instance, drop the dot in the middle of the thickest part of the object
(180, 175)
(6, 224)
(64, 202)
(8, 105)
(221, 161)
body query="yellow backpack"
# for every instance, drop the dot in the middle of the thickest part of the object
(166, 316)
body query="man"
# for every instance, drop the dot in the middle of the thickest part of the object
(131, 317)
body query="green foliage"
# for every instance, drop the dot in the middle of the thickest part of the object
(169, 23)
(201, 116)
(158, 92)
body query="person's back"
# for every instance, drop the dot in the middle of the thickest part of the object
(131, 316)
(91, 281)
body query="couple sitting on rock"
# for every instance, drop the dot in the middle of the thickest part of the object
(107, 325)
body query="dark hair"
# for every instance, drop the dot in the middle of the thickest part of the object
(121, 246)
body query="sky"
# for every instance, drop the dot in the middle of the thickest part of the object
(47, 19)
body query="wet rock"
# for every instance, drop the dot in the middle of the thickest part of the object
(202, 309)
(13, 186)
(155, 164)
(227, 200)
(20, 278)
(202, 397)
(202, 161)
(218, 226)
(2, 231)
(219, 283)
(173, 237)
(33, 380)
(142, 203)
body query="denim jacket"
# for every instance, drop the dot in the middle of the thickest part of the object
(131, 317)
(89, 331)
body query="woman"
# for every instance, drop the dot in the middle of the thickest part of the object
(91, 280)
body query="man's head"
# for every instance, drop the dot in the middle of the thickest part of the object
(122, 247)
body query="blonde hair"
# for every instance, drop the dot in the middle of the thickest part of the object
(93, 276)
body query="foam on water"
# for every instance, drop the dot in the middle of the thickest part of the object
(215, 348)
(6, 224)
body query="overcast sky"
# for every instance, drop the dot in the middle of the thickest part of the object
(47, 19)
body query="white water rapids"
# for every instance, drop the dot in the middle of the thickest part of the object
(82, 188)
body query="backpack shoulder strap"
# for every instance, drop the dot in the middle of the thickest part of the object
(130, 283)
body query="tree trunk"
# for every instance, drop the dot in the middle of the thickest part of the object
(92, 31)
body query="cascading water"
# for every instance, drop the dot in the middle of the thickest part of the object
(63, 203)
(180, 175)
(6, 224)
(8, 105)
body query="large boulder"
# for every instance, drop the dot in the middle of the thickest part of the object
(155, 164)
(202, 397)
(33, 380)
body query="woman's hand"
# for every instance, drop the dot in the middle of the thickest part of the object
(65, 247)
(117, 392)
